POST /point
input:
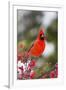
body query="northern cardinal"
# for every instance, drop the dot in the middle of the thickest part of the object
(38, 46)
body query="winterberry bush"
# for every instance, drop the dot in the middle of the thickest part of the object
(27, 68)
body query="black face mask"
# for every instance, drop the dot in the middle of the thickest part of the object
(41, 36)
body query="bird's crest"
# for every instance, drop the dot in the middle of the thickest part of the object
(41, 31)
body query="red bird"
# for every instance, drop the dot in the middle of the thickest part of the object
(38, 46)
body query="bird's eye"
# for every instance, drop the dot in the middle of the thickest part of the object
(42, 36)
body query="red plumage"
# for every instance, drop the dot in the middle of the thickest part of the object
(38, 46)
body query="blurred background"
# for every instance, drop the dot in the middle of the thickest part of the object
(28, 24)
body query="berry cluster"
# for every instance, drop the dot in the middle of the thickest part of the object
(52, 74)
(25, 70)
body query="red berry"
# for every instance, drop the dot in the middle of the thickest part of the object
(32, 74)
(56, 72)
(52, 74)
(32, 63)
